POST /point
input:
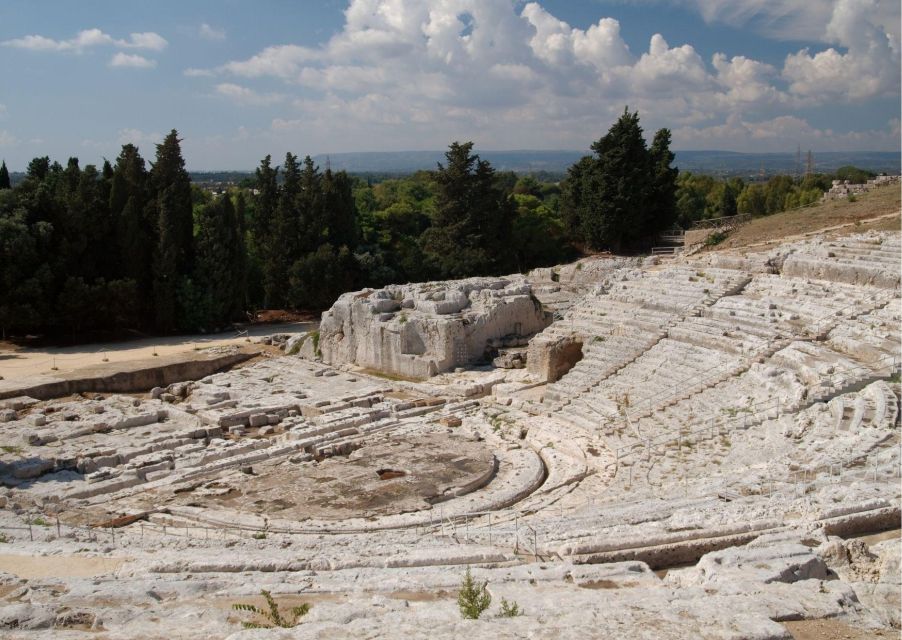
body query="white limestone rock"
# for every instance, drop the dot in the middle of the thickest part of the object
(420, 330)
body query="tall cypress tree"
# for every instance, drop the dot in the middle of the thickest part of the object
(168, 174)
(219, 262)
(133, 214)
(624, 194)
(339, 209)
(4, 176)
(472, 217)
(312, 225)
(283, 244)
(166, 278)
(662, 200)
(261, 224)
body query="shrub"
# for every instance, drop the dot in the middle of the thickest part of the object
(715, 238)
(510, 609)
(472, 599)
(271, 615)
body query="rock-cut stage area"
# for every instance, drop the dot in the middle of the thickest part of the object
(695, 447)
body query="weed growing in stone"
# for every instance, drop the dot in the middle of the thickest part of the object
(472, 599)
(272, 616)
(510, 609)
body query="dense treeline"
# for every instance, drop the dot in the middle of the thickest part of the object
(700, 197)
(132, 246)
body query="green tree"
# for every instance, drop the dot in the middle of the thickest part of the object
(168, 176)
(662, 209)
(753, 200)
(167, 279)
(319, 277)
(218, 262)
(132, 215)
(4, 176)
(616, 191)
(472, 218)
(728, 201)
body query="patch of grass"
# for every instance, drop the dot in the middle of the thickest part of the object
(272, 617)
(3, 538)
(315, 336)
(259, 536)
(12, 449)
(598, 339)
(472, 599)
(39, 522)
(296, 347)
(895, 378)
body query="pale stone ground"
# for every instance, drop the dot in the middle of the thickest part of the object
(733, 420)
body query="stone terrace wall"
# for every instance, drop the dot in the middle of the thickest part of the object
(420, 330)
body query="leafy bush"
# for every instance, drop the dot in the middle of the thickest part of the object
(472, 599)
(510, 609)
(715, 238)
(271, 615)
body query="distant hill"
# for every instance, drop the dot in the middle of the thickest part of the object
(710, 162)
(556, 163)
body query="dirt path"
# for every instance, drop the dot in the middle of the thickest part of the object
(17, 363)
(834, 630)
(31, 567)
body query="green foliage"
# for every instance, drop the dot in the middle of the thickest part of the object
(272, 617)
(4, 176)
(314, 335)
(625, 194)
(472, 599)
(510, 609)
(472, 219)
(854, 174)
(715, 238)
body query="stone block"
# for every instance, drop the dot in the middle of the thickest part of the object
(258, 420)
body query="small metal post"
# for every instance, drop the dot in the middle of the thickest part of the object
(630, 485)
(30, 532)
(142, 531)
(58, 527)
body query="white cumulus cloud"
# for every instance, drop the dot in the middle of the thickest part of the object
(403, 73)
(869, 67)
(87, 39)
(131, 61)
(243, 95)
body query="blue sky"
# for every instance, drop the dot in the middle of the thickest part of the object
(241, 79)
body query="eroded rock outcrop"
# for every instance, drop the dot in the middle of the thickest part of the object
(420, 330)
